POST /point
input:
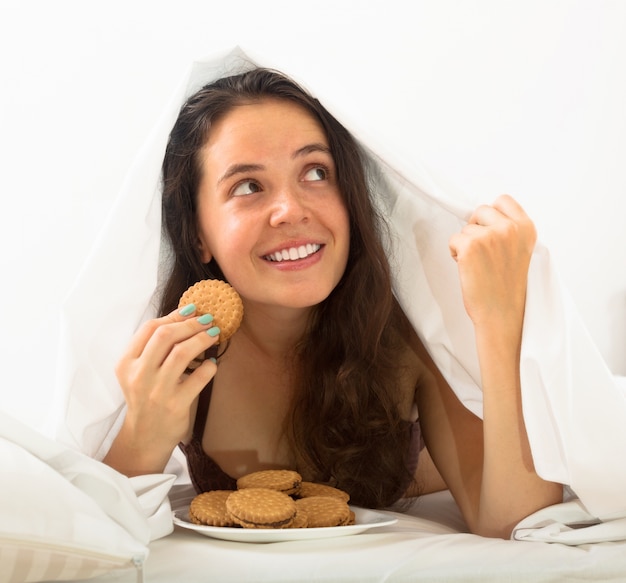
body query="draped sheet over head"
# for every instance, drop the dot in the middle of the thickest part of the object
(574, 410)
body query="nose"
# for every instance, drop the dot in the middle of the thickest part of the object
(287, 207)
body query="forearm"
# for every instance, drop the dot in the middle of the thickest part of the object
(510, 487)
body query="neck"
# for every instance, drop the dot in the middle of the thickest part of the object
(274, 332)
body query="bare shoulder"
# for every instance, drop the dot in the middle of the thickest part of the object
(417, 360)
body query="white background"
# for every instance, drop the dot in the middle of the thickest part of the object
(525, 97)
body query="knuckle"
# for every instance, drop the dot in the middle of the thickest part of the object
(150, 326)
(134, 377)
(121, 368)
(163, 333)
(510, 228)
(179, 353)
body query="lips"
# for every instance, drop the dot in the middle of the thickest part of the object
(293, 253)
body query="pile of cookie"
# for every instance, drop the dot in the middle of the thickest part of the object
(273, 499)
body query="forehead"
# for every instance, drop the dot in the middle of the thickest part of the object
(268, 122)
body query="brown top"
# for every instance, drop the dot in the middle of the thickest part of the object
(207, 475)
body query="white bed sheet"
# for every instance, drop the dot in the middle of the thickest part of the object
(427, 544)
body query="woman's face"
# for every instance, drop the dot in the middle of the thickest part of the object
(269, 208)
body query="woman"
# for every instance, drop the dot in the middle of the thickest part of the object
(262, 187)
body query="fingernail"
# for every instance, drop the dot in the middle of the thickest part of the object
(213, 360)
(213, 331)
(187, 310)
(205, 319)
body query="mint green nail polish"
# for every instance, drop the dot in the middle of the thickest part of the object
(205, 319)
(213, 360)
(213, 331)
(187, 310)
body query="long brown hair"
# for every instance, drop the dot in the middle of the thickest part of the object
(344, 423)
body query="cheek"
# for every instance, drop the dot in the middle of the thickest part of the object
(228, 240)
(343, 224)
(341, 232)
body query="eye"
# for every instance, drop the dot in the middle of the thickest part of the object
(245, 188)
(315, 174)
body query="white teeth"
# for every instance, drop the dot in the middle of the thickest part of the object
(294, 253)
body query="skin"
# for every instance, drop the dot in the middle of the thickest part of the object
(269, 185)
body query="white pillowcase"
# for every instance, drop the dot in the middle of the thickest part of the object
(64, 516)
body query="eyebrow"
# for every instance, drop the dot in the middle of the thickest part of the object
(310, 148)
(240, 169)
(245, 168)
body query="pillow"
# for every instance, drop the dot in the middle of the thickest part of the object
(64, 516)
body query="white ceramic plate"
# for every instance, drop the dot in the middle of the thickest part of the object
(365, 520)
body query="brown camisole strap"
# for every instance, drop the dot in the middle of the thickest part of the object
(204, 472)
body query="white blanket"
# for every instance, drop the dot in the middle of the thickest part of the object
(575, 412)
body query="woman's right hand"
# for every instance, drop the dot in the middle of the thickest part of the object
(159, 393)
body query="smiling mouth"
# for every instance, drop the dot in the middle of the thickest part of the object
(294, 253)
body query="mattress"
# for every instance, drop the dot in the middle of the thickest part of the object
(428, 542)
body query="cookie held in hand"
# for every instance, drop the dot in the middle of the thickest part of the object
(218, 298)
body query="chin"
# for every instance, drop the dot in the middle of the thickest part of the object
(306, 300)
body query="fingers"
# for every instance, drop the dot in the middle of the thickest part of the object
(194, 382)
(509, 207)
(155, 335)
(505, 219)
(485, 216)
(140, 339)
(179, 342)
(458, 242)
(171, 342)
(504, 207)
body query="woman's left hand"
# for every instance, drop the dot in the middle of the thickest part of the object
(493, 252)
